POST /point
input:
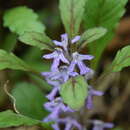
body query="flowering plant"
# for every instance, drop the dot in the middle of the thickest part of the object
(72, 75)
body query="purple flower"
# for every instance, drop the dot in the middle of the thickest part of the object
(55, 126)
(75, 39)
(54, 83)
(78, 60)
(64, 41)
(62, 74)
(53, 116)
(91, 93)
(57, 56)
(56, 107)
(53, 93)
(100, 125)
(70, 123)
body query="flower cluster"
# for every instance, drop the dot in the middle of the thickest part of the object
(64, 66)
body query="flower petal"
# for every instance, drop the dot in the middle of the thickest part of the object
(55, 126)
(96, 127)
(73, 74)
(63, 59)
(48, 106)
(75, 39)
(65, 77)
(96, 93)
(85, 57)
(72, 66)
(46, 74)
(53, 83)
(68, 126)
(57, 43)
(53, 93)
(64, 37)
(89, 103)
(83, 68)
(108, 125)
(51, 55)
(55, 64)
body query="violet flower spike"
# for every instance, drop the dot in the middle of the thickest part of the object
(70, 123)
(78, 60)
(91, 93)
(57, 56)
(100, 125)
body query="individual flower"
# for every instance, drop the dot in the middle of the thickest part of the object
(55, 106)
(53, 93)
(100, 125)
(62, 74)
(52, 116)
(57, 56)
(78, 60)
(91, 93)
(64, 41)
(70, 123)
(54, 83)
(75, 39)
(55, 126)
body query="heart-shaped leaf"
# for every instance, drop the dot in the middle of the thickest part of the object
(74, 92)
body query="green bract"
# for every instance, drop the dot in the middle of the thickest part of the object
(103, 13)
(72, 13)
(122, 59)
(74, 92)
(91, 35)
(39, 40)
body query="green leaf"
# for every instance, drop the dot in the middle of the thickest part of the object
(22, 19)
(33, 57)
(39, 40)
(74, 92)
(121, 60)
(11, 119)
(91, 35)
(104, 13)
(72, 13)
(10, 61)
(29, 100)
(10, 42)
(117, 128)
